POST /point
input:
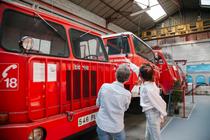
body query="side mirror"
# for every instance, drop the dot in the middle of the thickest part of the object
(156, 56)
(26, 43)
(126, 55)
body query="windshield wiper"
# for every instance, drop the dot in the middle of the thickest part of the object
(85, 33)
(49, 25)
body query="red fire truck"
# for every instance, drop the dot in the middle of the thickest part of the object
(50, 73)
(126, 45)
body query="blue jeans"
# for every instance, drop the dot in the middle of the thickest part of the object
(103, 135)
(152, 124)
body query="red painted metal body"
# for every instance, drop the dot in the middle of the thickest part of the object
(56, 100)
(168, 74)
(131, 54)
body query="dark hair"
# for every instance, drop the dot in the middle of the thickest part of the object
(122, 73)
(146, 72)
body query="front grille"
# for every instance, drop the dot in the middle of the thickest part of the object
(76, 84)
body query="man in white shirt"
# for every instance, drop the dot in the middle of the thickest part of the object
(113, 100)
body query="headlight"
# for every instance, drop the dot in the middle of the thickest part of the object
(26, 42)
(37, 134)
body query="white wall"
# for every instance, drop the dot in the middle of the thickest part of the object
(194, 52)
(81, 12)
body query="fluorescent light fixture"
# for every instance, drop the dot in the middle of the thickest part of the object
(156, 12)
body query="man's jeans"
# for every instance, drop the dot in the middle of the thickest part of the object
(102, 135)
(152, 124)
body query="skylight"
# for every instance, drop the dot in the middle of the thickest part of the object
(205, 2)
(156, 12)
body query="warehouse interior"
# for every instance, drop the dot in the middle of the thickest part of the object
(177, 30)
(185, 23)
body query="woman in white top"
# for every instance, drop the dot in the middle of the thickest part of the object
(152, 104)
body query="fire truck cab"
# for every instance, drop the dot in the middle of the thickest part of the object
(126, 45)
(50, 73)
(168, 74)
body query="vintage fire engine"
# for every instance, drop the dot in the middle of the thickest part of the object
(50, 73)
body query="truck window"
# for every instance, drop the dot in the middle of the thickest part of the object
(143, 50)
(46, 41)
(87, 46)
(118, 45)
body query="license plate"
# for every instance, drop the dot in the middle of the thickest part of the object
(86, 119)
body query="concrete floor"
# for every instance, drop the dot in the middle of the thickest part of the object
(135, 126)
(196, 125)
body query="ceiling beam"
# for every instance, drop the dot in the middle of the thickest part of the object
(118, 11)
(178, 4)
(110, 19)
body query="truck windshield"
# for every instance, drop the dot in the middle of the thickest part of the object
(118, 45)
(46, 41)
(143, 50)
(87, 46)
